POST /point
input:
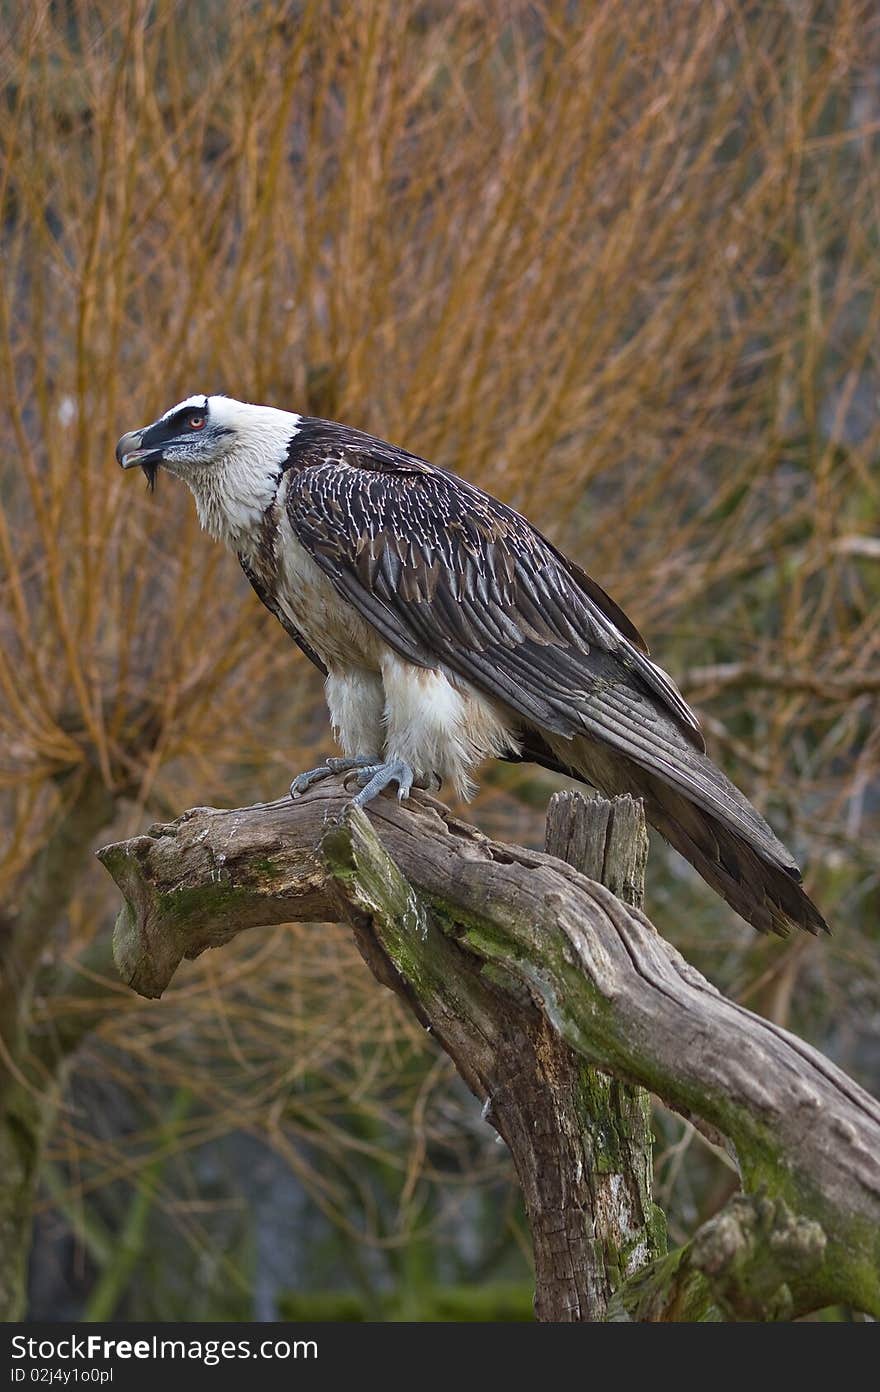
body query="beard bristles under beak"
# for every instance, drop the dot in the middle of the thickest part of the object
(150, 469)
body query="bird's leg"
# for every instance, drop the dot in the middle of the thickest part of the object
(330, 767)
(375, 777)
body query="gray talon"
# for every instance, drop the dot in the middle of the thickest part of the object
(329, 769)
(303, 781)
(376, 777)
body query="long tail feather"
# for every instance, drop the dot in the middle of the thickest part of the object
(741, 859)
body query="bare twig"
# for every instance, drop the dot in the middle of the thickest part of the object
(814, 683)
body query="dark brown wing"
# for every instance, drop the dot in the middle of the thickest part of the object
(447, 574)
(450, 576)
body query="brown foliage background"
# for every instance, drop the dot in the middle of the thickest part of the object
(618, 263)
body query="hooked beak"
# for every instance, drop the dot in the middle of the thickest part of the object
(129, 454)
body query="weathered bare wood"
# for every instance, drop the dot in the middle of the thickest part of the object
(579, 1139)
(604, 839)
(447, 911)
(593, 1202)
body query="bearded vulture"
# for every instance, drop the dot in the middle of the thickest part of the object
(450, 630)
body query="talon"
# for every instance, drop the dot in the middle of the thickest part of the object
(364, 775)
(304, 781)
(329, 769)
(345, 765)
(376, 777)
(351, 779)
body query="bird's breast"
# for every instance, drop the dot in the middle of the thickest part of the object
(329, 624)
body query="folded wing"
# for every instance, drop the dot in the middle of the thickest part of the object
(450, 576)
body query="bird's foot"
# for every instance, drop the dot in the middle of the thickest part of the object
(304, 781)
(375, 777)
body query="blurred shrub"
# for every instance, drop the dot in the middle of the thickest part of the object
(497, 1303)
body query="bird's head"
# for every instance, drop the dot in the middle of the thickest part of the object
(194, 435)
(231, 454)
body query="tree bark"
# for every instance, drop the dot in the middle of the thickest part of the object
(592, 1217)
(478, 936)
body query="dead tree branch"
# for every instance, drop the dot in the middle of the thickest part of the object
(477, 936)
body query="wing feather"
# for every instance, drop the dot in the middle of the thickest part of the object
(449, 575)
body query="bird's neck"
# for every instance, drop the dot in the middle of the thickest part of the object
(233, 495)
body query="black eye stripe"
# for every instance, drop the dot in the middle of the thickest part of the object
(174, 426)
(182, 418)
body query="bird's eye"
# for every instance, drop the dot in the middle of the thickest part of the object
(196, 422)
